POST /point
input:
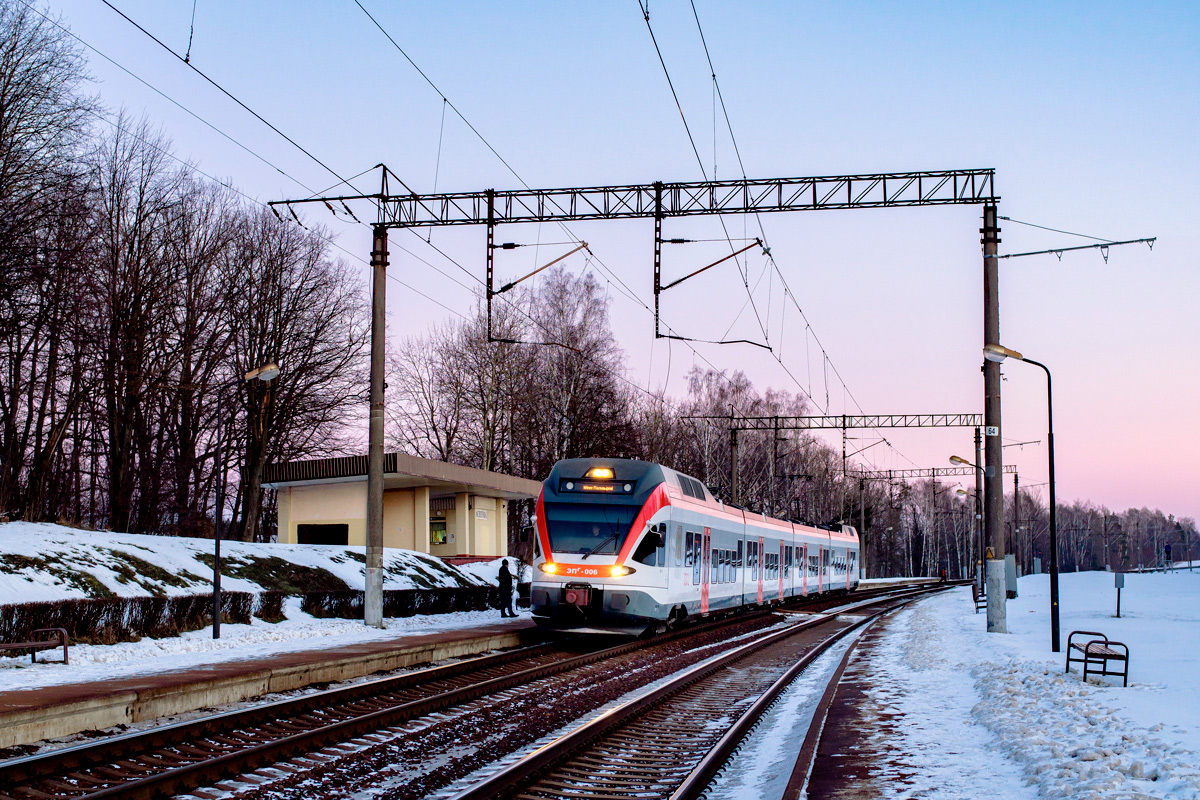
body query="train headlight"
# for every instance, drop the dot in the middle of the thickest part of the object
(620, 570)
(600, 473)
(548, 567)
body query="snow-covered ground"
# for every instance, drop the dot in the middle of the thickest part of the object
(967, 714)
(90, 663)
(44, 561)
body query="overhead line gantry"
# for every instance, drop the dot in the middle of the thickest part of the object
(658, 201)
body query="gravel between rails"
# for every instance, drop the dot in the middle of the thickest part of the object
(419, 758)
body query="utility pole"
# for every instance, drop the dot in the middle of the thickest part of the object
(1016, 536)
(373, 601)
(862, 529)
(982, 536)
(997, 612)
(733, 460)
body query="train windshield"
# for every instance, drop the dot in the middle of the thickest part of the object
(587, 528)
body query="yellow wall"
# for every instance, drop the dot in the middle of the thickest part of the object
(329, 503)
(479, 525)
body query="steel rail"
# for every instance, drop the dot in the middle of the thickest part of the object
(511, 778)
(697, 781)
(277, 717)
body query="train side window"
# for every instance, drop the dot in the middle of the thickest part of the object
(697, 543)
(738, 563)
(726, 563)
(687, 551)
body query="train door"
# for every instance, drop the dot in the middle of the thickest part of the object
(758, 569)
(782, 568)
(705, 569)
(804, 564)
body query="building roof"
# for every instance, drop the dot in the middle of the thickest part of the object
(402, 471)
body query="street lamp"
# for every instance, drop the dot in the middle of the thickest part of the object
(267, 372)
(996, 353)
(962, 462)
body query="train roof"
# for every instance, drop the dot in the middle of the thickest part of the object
(629, 469)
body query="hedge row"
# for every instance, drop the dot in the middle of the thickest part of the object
(107, 620)
(402, 602)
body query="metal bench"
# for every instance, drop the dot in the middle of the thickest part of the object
(44, 642)
(1098, 652)
(979, 597)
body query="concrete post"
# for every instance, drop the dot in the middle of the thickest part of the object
(979, 532)
(373, 603)
(997, 612)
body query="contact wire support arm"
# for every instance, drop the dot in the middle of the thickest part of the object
(734, 254)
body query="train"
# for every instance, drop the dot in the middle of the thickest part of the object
(633, 547)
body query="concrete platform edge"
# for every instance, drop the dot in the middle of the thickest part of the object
(34, 724)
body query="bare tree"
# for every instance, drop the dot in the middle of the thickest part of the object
(296, 307)
(428, 395)
(42, 233)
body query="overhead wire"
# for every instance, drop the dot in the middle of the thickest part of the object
(762, 231)
(645, 9)
(1056, 230)
(341, 180)
(620, 283)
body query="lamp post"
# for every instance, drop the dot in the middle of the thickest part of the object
(959, 461)
(979, 530)
(265, 373)
(996, 353)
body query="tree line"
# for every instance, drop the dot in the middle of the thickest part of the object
(135, 291)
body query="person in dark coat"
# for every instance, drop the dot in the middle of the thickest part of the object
(506, 591)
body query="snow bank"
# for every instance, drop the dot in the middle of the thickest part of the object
(238, 642)
(43, 561)
(1007, 694)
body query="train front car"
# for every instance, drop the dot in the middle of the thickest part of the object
(601, 561)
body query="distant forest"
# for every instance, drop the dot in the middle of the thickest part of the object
(135, 290)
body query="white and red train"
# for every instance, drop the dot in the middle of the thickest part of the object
(630, 546)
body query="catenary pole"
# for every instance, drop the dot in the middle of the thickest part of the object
(997, 621)
(373, 604)
(979, 530)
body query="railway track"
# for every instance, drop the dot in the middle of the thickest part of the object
(381, 715)
(669, 743)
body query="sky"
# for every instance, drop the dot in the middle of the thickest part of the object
(1088, 113)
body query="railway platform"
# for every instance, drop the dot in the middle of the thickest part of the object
(47, 712)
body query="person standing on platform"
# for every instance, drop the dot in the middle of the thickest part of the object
(506, 591)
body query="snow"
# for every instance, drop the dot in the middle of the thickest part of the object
(966, 704)
(300, 631)
(44, 561)
(1101, 740)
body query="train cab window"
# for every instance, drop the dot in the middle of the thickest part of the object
(651, 551)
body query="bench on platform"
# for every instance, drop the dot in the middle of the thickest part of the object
(1098, 652)
(979, 597)
(41, 639)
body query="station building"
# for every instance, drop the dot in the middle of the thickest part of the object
(446, 510)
